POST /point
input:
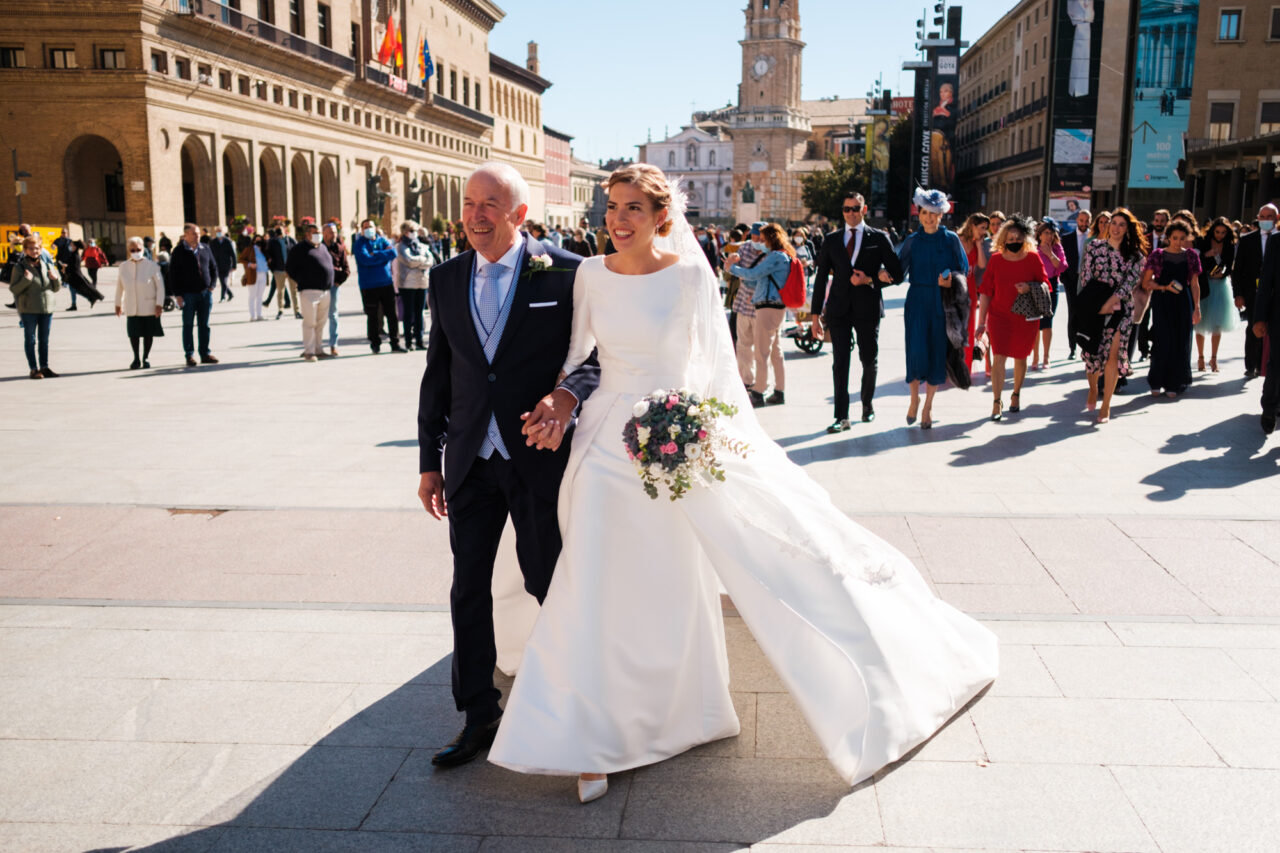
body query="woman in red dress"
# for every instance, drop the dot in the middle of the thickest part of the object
(972, 235)
(1014, 264)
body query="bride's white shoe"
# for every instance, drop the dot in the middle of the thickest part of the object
(592, 789)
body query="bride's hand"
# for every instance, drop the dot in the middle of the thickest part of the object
(544, 427)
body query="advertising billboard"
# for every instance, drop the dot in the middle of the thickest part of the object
(1164, 60)
(943, 111)
(1076, 61)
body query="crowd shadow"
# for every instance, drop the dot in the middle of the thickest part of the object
(369, 785)
(1239, 438)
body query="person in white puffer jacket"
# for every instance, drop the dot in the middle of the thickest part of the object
(140, 300)
(413, 260)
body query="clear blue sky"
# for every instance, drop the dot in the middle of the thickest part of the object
(621, 68)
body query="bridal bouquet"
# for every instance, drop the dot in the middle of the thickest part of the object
(673, 438)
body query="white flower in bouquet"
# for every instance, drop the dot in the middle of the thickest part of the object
(642, 433)
(655, 470)
(658, 395)
(693, 411)
(693, 451)
(640, 408)
(673, 430)
(684, 392)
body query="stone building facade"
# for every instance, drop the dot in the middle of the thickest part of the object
(1233, 137)
(586, 181)
(701, 157)
(1002, 135)
(133, 117)
(517, 129)
(559, 156)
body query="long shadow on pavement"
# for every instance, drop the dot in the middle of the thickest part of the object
(369, 785)
(1240, 438)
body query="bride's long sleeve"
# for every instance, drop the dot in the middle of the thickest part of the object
(581, 370)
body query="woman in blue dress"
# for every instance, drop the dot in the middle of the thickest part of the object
(932, 259)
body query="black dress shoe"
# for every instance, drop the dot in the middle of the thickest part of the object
(1268, 424)
(47, 373)
(470, 742)
(868, 414)
(757, 399)
(397, 348)
(136, 364)
(841, 425)
(777, 398)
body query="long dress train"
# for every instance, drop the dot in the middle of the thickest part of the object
(626, 663)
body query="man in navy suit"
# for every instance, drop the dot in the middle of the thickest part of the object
(500, 328)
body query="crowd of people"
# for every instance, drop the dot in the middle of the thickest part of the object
(979, 297)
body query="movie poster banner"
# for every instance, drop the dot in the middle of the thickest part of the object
(1075, 105)
(1164, 61)
(943, 112)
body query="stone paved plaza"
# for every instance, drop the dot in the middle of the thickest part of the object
(224, 626)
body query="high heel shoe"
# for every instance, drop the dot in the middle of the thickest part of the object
(1200, 364)
(926, 420)
(997, 410)
(591, 789)
(1213, 366)
(1015, 404)
(911, 418)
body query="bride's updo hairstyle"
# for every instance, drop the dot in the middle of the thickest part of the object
(651, 181)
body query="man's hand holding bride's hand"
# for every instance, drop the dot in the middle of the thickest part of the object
(431, 493)
(544, 427)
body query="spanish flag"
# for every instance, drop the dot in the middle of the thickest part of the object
(399, 46)
(387, 49)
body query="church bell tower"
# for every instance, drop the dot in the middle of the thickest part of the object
(769, 126)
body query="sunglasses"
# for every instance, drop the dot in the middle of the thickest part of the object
(852, 208)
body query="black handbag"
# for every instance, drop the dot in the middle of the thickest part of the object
(1035, 303)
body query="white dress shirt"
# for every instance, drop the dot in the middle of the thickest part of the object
(505, 275)
(1082, 237)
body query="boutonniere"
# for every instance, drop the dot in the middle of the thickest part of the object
(542, 263)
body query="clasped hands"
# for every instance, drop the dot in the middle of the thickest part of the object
(545, 426)
(860, 278)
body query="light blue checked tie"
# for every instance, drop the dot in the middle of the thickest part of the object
(488, 310)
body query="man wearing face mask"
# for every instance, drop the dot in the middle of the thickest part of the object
(860, 262)
(311, 266)
(374, 254)
(1251, 254)
(709, 247)
(224, 257)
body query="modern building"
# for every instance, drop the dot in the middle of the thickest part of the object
(1233, 138)
(1002, 133)
(133, 117)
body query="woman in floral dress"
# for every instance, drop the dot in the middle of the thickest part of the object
(1116, 262)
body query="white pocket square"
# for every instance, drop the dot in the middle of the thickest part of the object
(542, 304)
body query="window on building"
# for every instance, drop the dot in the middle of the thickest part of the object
(1274, 32)
(266, 12)
(111, 57)
(671, 159)
(224, 80)
(355, 41)
(296, 24)
(182, 68)
(277, 94)
(1269, 118)
(521, 141)
(508, 138)
(306, 103)
(13, 57)
(242, 83)
(113, 186)
(477, 94)
(1220, 119)
(333, 110)
(466, 91)
(324, 24)
(453, 85)
(204, 74)
(1229, 24)
(711, 157)
(62, 57)
(293, 99)
(377, 123)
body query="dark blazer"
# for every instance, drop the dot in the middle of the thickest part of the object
(191, 270)
(461, 389)
(1248, 265)
(224, 254)
(1071, 276)
(848, 303)
(1266, 306)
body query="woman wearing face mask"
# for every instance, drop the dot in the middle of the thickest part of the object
(1010, 272)
(413, 259)
(1217, 248)
(140, 300)
(1172, 276)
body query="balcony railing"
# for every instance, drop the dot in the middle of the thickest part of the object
(221, 13)
(459, 109)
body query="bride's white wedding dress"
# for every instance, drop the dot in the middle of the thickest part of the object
(626, 663)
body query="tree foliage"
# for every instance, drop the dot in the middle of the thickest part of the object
(823, 192)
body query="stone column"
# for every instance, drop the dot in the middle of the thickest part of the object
(1266, 182)
(1235, 197)
(1211, 192)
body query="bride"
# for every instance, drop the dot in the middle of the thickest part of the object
(626, 664)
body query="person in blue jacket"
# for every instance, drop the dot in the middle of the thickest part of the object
(767, 276)
(934, 261)
(373, 254)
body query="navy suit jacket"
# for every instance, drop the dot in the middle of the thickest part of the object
(461, 389)
(849, 304)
